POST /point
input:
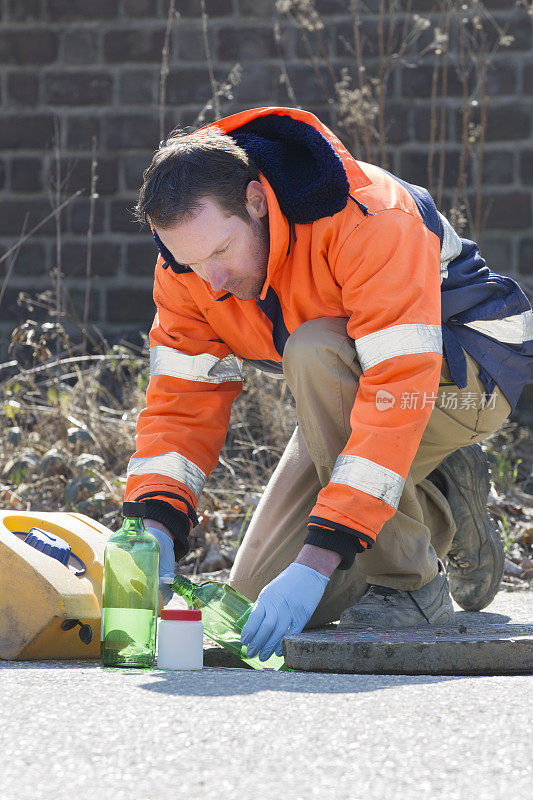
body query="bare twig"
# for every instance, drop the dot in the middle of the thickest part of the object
(13, 260)
(210, 61)
(88, 261)
(165, 58)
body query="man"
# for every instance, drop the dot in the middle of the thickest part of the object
(402, 350)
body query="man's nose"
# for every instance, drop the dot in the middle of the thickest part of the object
(217, 278)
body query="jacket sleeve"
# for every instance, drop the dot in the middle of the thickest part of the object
(194, 379)
(388, 271)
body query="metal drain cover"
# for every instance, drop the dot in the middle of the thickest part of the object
(473, 649)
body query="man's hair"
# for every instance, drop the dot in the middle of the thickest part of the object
(188, 167)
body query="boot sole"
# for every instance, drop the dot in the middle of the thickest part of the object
(471, 500)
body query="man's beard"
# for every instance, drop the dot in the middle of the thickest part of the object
(252, 287)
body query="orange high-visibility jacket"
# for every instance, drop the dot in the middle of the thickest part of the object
(347, 239)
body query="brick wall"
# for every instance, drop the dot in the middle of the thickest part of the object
(92, 69)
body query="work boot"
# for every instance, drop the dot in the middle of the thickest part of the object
(381, 607)
(476, 557)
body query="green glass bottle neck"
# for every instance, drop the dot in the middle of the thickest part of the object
(133, 525)
(185, 588)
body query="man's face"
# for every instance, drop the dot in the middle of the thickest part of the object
(227, 252)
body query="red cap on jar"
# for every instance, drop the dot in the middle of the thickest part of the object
(188, 614)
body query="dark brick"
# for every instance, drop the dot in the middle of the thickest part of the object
(23, 88)
(80, 131)
(332, 6)
(525, 257)
(496, 5)
(13, 214)
(75, 304)
(26, 174)
(137, 8)
(32, 130)
(498, 253)
(305, 84)
(141, 256)
(30, 259)
(139, 87)
(132, 130)
(308, 44)
(422, 124)
(498, 167)
(28, 46)
(76, 174)
(502, 77)
(63, 10)
(105, 259)
(80, 46)
(78, 88)
(134, 166)
(192, 8)
(244, 44)
(396, 123)
(189, 41)
(508, 122)
(188, 85)
(260, 8)
(414, 5)
(137, 46)
(526, 167)
(258, 86)
(414, 168)
(79, 216)
(369, 37)
(417, 82)
(510, 210)
(23, 10)
(527, 78)
(126, 305)
(121, 216)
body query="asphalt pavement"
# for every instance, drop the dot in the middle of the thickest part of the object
(75, 731)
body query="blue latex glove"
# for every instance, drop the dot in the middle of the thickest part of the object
(167, 560)
(284, 606)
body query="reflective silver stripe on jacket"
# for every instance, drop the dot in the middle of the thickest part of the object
(173, 465)
(399, 340)
(451, 246)
(369, 477)
(204, 367)
(514, 330)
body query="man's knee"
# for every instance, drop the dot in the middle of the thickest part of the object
(312, 340)
(249, 587)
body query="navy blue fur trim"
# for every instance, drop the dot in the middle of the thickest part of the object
(301, 165)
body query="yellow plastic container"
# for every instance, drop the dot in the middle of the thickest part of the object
(44, 603)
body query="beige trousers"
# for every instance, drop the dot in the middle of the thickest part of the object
(322, 370)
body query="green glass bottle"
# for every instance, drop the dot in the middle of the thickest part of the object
(130, 593)
(224, 615)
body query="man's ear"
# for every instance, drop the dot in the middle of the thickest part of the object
(256, 202)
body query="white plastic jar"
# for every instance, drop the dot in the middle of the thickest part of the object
(180, 639)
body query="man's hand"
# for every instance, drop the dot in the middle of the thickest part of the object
(166, 555)
(284, 606)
